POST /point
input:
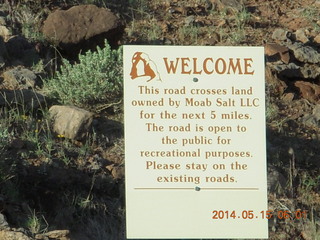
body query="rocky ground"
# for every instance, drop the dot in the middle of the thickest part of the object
(62, 179)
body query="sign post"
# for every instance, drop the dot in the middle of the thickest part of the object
(195, 156)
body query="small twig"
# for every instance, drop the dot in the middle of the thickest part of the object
(105, 106)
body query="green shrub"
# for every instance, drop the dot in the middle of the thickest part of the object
(97, 78)
(4, 138)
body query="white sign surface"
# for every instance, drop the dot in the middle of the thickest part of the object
(195, 153)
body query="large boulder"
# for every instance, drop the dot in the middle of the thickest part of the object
(71, 122)
(82, 27)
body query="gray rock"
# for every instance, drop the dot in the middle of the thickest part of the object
(312, 120)
(2, 62)
(303, 53)
(301, 36)
(3, 222)
(276, 181)
(13, 235)
(20, 78)
(189, 20)
(71, 122)
(96, 162)
(291, 70)
(56, 235)
(3, 53)
(3, 21)
(280, 34)
(316, 112)
(310, 71)
(29, 99)
(16, 46)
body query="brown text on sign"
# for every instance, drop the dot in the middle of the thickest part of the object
(209, 66)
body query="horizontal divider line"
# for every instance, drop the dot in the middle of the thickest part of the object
(251, 189)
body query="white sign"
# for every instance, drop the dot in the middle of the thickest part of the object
(195, 144)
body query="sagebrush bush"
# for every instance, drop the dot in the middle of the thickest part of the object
(97, 78)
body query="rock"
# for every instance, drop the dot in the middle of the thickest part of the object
(4, 32)
(290, 70)
(31, 58)
(17, 144)
(316, 112)
(312, 120)
(96, 162)
(71, 122)
(3, 53)
(301, 36)
(277, 51)
(16, 46)
(288, 97)
(304, 53)
(117, 172)
(310, 229)
(310, 71)
(279, 34)
(21, 52)
(309, 91)
(3, 222)
(233, 5)
(294, 71)
(13, 235)
(3, 21)
(317, 39)
(276, 181)
(188, 21)
(28, 99)
(54, 235)
(272, 80)
(213, 39)
(20, 78)
(82, 27)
